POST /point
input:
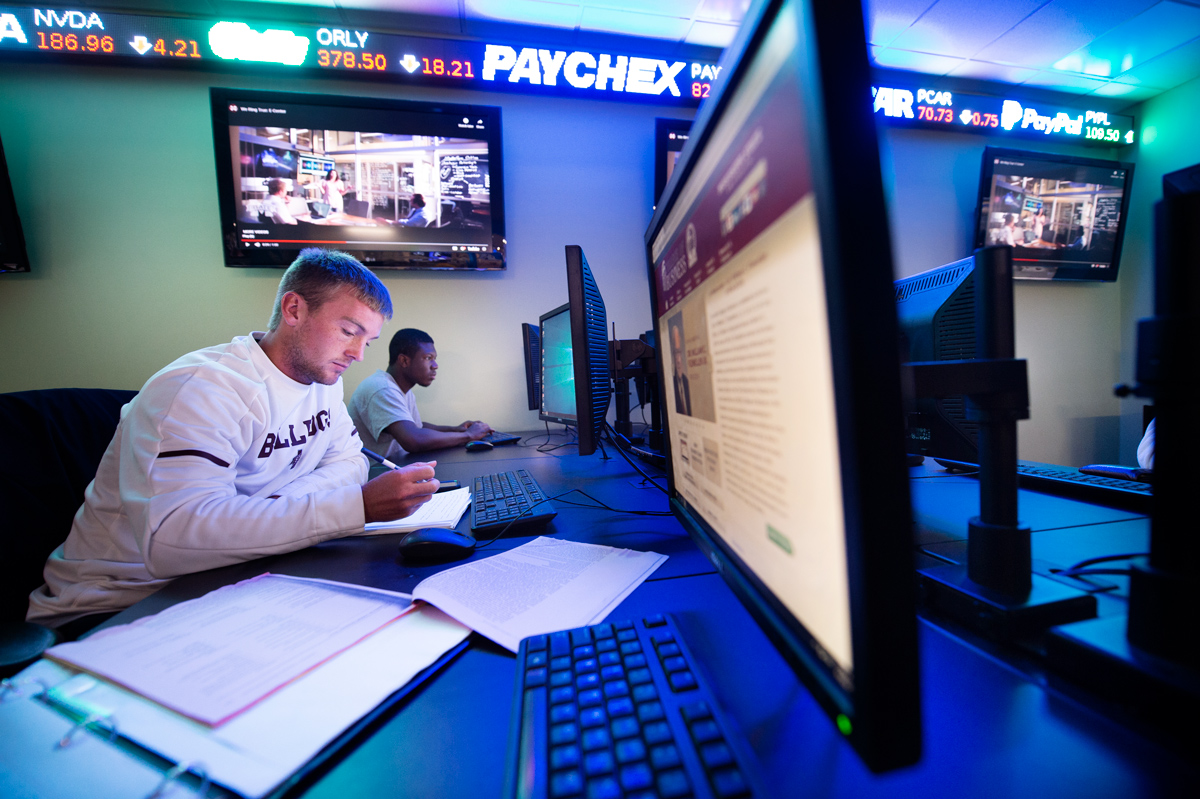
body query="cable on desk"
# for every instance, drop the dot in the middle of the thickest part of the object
(1106, 559)
(612, 437)
(1085, 572)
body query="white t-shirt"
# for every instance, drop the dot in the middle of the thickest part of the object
(376, 404)
(187, 482)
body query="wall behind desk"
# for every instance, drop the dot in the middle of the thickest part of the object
(115, 183)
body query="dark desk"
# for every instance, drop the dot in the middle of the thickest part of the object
(992, 729)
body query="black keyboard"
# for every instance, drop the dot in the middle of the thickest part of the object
(1067, 482)
(497, 499)
(497, 439)
(617, 711)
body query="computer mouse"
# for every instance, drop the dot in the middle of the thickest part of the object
(435, 545)
(478, 446)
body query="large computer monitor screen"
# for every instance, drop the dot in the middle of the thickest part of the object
(397, 184)
(557, 367)
(771, 284)
(1064, 216)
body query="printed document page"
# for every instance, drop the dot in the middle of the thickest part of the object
(539, 587)
(211, 658)
(442, 510)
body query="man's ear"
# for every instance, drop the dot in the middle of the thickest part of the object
(402, 361)
(293, 308)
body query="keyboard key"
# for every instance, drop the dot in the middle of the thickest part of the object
(561, 713)
(590, 698)
(636, 661)
(682, 681)
(625, 727)
(672, 784)
(610, 659)
(729, 783)
(535, 677)
(560, 678)
(602, 631)
(716, 755)
(536, 643)
(624, 625)
(603, 788)
(587, 664)
(584, 652)
(560, 663)
(639, 676)
(673, 664)
(695, 710)
(606, 644)
(627, 635)
(705, 730)
(596, 739)
(581, 636)
(560, 644)
(657, 620)
(657, 732)
(565, 693)
(600, 762)
(563, 734)
(616, 688)
(665, 756)
(564, 756)
(612, 673)
(668, 650)
(585, 681)
(644, 693)
(631, 647)
(620, 707)
(566, 783)
(650, 711)
(535, 659)
(630, 750)
(636, 777)
(593, 717)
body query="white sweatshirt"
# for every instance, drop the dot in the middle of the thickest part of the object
(187, 482)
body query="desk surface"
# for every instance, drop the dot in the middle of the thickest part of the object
(991, 729)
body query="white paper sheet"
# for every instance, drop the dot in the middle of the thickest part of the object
(260, 748)
(539, 587)
(212, 657)
(442, 510)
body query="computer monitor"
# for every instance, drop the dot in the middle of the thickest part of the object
(13, 256)
(936, 310)
(557, 403)
(589, 349)
(1064, 216)
(531, 345)
(771, 281)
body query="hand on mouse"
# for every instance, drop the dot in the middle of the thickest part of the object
(399, 492)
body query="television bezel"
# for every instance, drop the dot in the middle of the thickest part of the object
(240, 257)
(14, 257)
(881, 717)
(1072, 273)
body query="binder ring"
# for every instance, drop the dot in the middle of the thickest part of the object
(94, 719)
(176, 774)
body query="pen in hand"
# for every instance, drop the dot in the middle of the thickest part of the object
(375, 456)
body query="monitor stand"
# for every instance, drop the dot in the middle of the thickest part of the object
(997, 592)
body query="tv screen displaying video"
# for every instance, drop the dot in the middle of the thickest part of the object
(1064, 216)
(397, 184)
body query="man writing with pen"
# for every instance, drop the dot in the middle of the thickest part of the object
(234, 452)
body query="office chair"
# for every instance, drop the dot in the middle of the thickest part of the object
(52, 442)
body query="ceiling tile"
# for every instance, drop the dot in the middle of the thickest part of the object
(986, 70)
(887, 19)
(1152, 33)
(630, 23)
(1168, 70)
(963, 27)
(668, 8)
(1064, 81)
(723, 10)
(1134, 94)
(711, 34)
(915, 62)
(1058, 28)
(526, 12)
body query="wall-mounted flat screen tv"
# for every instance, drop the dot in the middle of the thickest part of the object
(397, 184)
(1064, 216)
(13, 257)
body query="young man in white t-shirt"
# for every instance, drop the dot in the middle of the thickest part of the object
(234, 452)
(384, 408)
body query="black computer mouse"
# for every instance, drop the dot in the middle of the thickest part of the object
(435, 545)
(478, 446)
